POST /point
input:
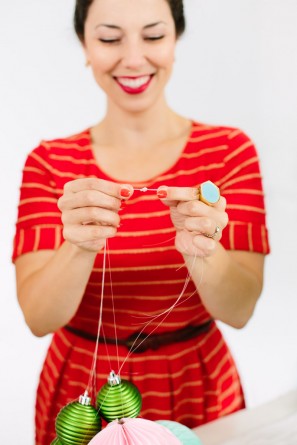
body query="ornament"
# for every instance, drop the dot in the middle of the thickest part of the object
(118, 398)
(182, 432)
(135, 432)
(56, 442)
(77, 423)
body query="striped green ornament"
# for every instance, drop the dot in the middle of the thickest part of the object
(77, 423)
(118, 399)
(56, 442)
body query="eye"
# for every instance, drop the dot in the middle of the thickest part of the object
(109, 41)
(154, 38)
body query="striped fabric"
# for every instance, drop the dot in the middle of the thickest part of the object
(193, 382)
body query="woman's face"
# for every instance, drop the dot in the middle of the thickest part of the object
(130, 45)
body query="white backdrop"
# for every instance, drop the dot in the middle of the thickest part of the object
(236, 65)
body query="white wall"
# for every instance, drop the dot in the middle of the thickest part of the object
(237, 65)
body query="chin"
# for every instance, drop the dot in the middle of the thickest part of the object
(139, 104)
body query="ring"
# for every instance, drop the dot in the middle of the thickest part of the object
(208, 193)
(213, 234)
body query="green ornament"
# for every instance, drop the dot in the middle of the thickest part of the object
(118, 399)
(77, 423)
(56, 442)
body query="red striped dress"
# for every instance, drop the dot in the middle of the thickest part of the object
(191, 382)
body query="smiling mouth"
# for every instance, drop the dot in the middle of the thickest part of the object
(134, 85)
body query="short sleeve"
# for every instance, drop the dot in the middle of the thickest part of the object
(38, 223)
(242, 186)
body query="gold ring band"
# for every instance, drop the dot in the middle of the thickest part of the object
(213, 234)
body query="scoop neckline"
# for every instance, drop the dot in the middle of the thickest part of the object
(146, 182)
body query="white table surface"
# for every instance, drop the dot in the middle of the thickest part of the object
(274, 423)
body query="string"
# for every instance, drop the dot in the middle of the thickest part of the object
(114, 320)
(132, 349)
(93, 367)
(145, 189)
(178, 303)
(166, 313)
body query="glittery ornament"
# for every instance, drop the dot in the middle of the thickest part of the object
(135, 432)
(118, 398)
(78, 422)
(183, 433)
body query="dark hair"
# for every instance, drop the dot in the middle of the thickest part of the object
(82, 9)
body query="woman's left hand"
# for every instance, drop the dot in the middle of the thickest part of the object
(199, 226)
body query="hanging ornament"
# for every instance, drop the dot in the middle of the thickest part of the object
(135, 432)
(182, 432)
(77, 423)
(56, 442)
(118, 398)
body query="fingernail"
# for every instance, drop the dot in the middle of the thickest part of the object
(162, 194)
(125, 193)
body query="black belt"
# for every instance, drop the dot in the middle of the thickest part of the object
(139, 342)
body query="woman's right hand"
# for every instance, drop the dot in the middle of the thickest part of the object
(90, 211)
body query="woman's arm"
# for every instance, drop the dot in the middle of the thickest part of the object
(229, 282)
(51, 284)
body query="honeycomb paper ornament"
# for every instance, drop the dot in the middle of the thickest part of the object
(118, 398)
(77, 423)
(135, 432)
(183, 433)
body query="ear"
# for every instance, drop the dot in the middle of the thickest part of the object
(85, 53)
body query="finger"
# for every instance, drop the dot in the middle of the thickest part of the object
(173, 194)
(205, 245)
(198, 208)
(194, 208)
(191, 244)
(88, 198)
(93, 215)
(204, 226)
(78, 234)
(208, 193)
(122, 191)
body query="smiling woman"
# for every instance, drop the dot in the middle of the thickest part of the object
(136, 179)
(130, 55)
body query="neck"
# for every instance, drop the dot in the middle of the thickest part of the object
(136, 130)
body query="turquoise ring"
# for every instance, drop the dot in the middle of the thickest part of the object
(208, 193)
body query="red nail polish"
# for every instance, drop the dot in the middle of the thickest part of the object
(125, 193)
(162, 194)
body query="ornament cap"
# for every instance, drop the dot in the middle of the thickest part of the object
(85, 399)
(114, 379)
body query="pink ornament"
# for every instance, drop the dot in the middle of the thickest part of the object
(135, 431)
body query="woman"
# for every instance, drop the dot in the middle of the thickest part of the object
(84, 192)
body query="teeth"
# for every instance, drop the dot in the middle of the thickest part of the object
(133, 83)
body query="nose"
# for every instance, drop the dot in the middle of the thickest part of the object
(133, 55)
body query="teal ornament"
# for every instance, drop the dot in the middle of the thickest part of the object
(209, 193)
(182, 432)
(77, 423)
(118, 399)
(56, 442)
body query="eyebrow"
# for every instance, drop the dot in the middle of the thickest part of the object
(107, 25)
